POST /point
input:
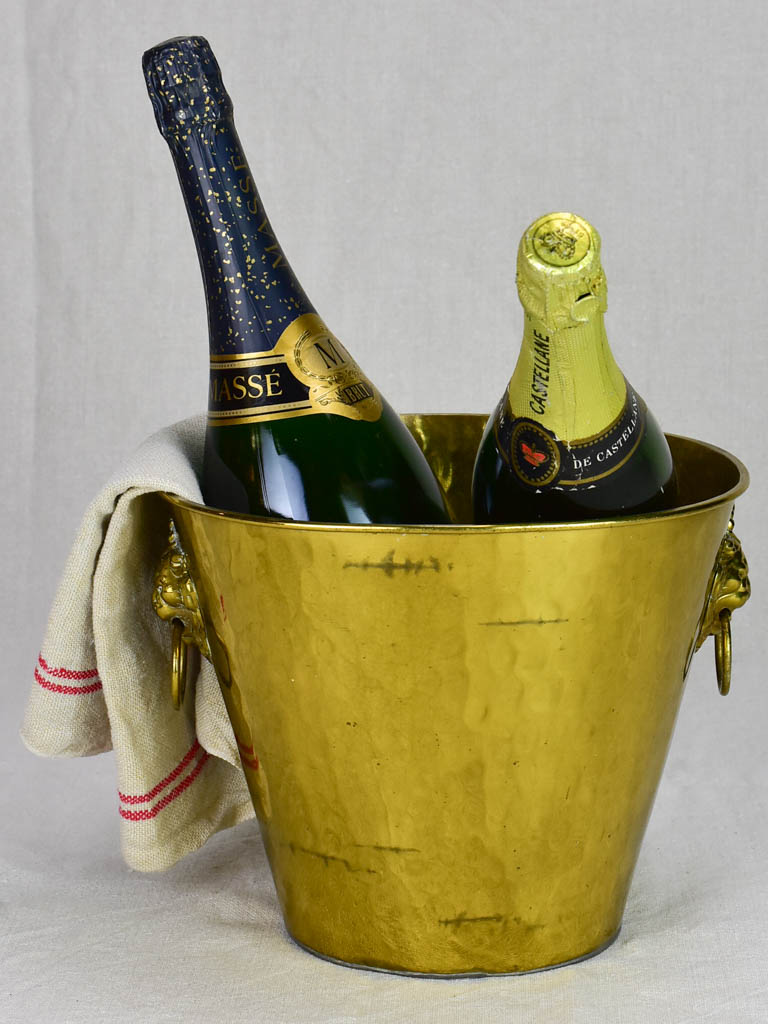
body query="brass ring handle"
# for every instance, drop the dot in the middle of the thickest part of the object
(178, 663)
(728, 589)
(723, 652)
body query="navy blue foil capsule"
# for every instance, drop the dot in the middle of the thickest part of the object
(184, 84)
(252, 294)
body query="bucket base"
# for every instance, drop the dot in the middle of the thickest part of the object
(462, 974)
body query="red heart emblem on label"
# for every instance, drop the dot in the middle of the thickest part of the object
(532, 456)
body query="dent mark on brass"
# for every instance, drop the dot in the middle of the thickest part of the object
(462, 919)
(523, 622)
(329, 858)
(387, 849)
(389, 566)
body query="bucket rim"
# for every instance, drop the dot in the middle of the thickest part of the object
(678, 512)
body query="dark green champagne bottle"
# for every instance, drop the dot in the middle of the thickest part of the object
(295, 429)
(570, 439)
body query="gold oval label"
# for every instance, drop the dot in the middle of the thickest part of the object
(308, 371)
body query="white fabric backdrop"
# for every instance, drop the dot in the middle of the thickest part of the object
(400, 148)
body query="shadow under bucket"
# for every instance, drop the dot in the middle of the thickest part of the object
(453, 735)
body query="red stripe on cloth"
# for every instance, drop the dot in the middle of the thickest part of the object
(67, 673)
(58, 688)
(150, 812)
(145, 798)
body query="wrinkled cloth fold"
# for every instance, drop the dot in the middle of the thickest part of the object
(103, 675)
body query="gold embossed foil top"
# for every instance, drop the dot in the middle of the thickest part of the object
(184, 83)
(558, 266)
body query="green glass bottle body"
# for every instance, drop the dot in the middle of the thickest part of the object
(570, 438)
(316, 469)
(295, 429)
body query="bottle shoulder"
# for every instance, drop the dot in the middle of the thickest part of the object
(523, 474)
(327, 468)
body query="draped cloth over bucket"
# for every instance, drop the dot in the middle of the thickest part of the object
(101, 681)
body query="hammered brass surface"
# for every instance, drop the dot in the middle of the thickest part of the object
(453, 735)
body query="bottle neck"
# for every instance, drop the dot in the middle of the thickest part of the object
(567, 380)
(251, 292)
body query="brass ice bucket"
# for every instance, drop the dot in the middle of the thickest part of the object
(453, 735)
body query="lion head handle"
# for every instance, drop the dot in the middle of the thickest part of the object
(729, 589)
(175, 596)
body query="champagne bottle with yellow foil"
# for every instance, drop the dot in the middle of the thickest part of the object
(295, 429)
(571, 438)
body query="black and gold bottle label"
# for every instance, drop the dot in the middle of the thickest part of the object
(309, 371)
(541, 460)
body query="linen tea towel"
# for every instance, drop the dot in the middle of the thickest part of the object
(103, 675)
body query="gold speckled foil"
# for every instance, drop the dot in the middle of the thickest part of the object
(185, 85)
